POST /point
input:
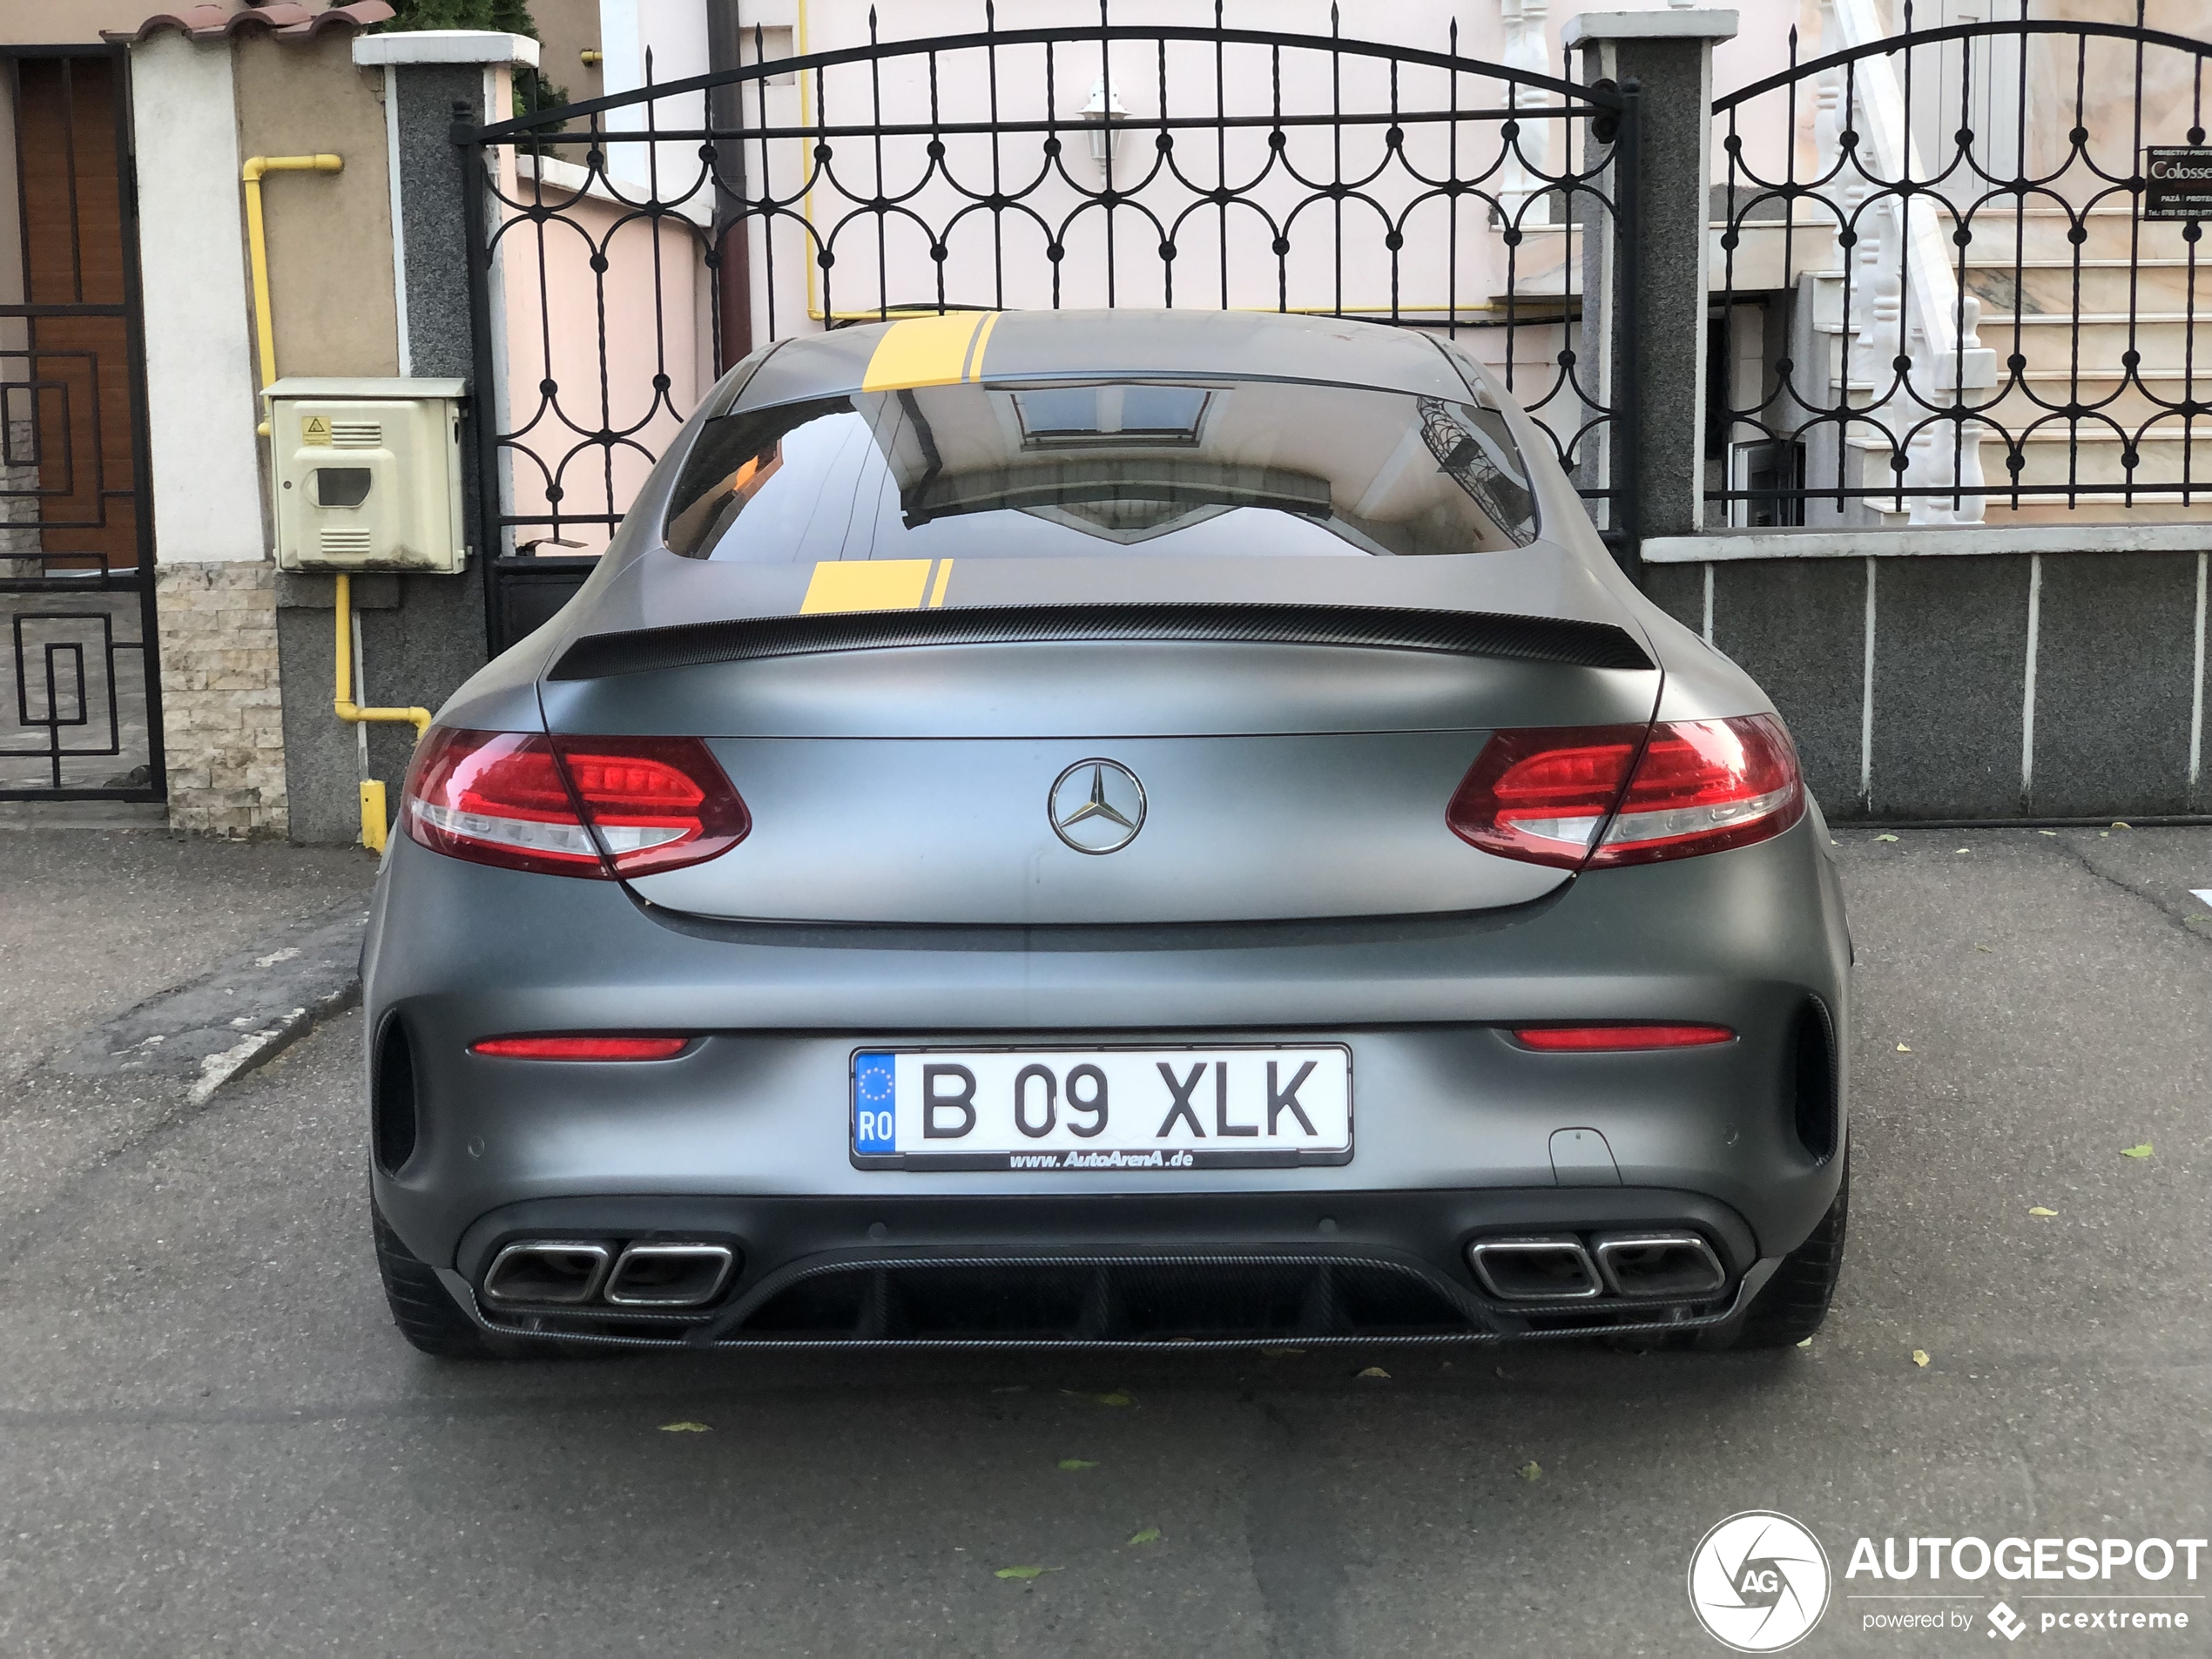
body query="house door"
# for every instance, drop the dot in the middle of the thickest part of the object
(82, 709)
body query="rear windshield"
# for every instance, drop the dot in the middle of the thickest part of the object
(1085, 468)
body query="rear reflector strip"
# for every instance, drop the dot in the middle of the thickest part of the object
(579, 1047)
(1598, 1039)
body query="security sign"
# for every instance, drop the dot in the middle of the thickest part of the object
(2177, 181)
(315, 431)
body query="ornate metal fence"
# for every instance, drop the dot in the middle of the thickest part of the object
(1948, 289)
(631, 246)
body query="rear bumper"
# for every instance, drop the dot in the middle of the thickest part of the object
(747, 1134)
(1213, 1270)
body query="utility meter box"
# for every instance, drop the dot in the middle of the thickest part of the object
(367, 475)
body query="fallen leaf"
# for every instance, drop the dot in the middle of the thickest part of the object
(2118, 824)
(1962, 849)
(2050, 832)
(1991, 949)
(685, 1428)
(2142, 1151)
(1024, 1572)
(2038, 1210)
(1071, 1464)
(1376, 1371)
(1901, 1049)
(1149, 1536)
(1807, 1342)
(1530, 1471)
(1920, 1358)
(1885, 838)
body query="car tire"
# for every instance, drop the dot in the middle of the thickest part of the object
(420, 1307)
(1796, 1299)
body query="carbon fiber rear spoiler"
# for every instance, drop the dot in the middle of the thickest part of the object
(1543, 640)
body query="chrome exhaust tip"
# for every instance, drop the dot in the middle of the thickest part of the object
(547, 1271)
(1679, 1265)
(1552, 1268)
(670, 1276)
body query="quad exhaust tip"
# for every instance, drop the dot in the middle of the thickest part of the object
(1552, 1268)
(567, 1272)
(670, 1276)
(1647, 1265)
(548, 1270)
(1676, 1264)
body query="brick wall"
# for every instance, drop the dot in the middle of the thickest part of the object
(222, 712)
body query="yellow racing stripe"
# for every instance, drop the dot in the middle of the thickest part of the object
(929, 351)
(865, 584)
(937, 589)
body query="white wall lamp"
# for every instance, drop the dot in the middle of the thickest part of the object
(1103, 113)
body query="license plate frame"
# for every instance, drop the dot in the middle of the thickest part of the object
(1199, 1104)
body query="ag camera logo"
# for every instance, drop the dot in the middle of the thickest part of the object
(1758, 1581)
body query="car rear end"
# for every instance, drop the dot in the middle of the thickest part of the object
(1223, 946)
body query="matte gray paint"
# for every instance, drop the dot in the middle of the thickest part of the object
(1440, 1099)
(1235, 828)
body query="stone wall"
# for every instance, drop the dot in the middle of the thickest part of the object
(222, 710)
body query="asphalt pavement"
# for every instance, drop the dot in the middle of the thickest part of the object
(211, 1441)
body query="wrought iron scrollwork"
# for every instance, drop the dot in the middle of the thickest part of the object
(1937, 250)
(1199, 167)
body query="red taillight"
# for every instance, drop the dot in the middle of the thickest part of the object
(1598, 1039)
(1541, 795)
(579, 1047)
(1550, 795)
(655, 803)
(584, 807)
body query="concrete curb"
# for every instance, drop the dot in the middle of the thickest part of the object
(248, 1009)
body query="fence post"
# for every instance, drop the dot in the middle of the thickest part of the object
(1643, 304)
(432, 79)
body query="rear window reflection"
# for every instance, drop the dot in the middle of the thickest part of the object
(1219, 468)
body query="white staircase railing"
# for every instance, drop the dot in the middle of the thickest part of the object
(1905, 299)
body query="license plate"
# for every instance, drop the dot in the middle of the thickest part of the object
(1101, 1108)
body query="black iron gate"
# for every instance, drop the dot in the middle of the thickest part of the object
(1951, 291)
(627, 249)
(82, 717)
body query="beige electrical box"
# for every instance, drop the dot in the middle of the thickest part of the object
(367, 475)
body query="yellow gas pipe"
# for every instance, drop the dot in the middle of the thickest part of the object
(257, 243)
(373, 815)
(256, 246)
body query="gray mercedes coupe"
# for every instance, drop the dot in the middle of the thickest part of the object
(1107, 829)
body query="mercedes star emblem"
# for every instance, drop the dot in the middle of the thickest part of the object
(1096, 806)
